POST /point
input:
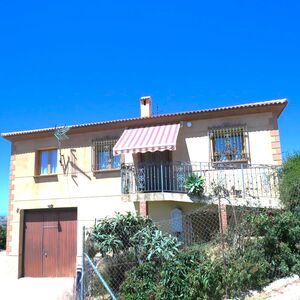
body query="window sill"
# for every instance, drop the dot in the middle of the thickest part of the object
(45, 175)
(231, 161)
(235, 163)
(106, 171)
(45, 178)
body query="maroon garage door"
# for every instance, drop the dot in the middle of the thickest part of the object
(50, 243)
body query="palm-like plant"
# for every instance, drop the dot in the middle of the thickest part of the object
(194, 184)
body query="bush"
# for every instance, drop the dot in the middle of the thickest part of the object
(2, 237)
(112, 235)
(123, 242)
(279, 237)
(289, 186)
(269, 248)
(141, 283)
(162, 281)
(175, 274)
(130, 233)
(246, 270)
(113, 270)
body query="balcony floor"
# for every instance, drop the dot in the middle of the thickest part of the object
(183, 197)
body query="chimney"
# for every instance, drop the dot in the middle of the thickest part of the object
(146, 106)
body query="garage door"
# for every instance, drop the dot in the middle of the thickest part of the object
(50, 243)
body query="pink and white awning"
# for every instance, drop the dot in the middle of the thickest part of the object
(147, 139)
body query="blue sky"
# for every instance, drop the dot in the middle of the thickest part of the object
(68, 62)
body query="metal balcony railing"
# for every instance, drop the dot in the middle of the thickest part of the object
(241, 180)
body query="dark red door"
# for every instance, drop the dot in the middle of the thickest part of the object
(33, 242)
(50, 247)
(50, 243)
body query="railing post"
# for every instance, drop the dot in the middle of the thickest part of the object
(82, 268)
(122, 180)
(133, 182)
(161, 177)
(243, 181)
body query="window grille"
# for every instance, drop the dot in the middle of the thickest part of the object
(229, 144)
(103, 158)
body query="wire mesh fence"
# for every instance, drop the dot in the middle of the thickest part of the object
(114, 247)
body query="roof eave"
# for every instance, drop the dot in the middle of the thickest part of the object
(277, 106)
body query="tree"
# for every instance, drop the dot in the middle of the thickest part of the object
(2, 236)
(289, 184)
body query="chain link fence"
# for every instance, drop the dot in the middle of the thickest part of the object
(111, 250)
(103, 275)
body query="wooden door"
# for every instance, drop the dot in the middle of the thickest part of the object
(50, 243)
(32, 259)
(67, 245)
(50, 246)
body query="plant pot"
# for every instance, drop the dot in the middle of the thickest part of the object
(195, 198)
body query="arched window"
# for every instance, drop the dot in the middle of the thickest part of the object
(176, 220)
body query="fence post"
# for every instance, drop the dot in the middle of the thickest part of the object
(243, 181)
(82, 268)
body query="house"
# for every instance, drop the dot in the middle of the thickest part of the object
(63, 178)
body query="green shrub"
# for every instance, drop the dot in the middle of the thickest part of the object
(141, 283)
(279, 237)
(113, 269)
(207, 280)
(174, 275)
(152, 244)
(2, 237)
(198, 276)
(134, 234)
(246, 270)
(112, 235)
(269, 248)
(289, 186)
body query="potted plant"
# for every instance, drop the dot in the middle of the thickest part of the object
(217, 156)
(194, 184)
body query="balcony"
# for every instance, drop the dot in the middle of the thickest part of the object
(241, 180)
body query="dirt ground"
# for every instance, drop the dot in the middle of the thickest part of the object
(282, 289)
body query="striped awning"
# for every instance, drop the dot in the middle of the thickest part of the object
(147, 139)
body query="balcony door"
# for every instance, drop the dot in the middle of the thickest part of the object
(153, 172)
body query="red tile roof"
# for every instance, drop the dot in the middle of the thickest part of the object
(279, 103)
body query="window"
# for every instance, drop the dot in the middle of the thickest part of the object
(103, 156)
(229, 144)
(47, 162)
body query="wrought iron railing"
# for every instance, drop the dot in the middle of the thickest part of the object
(241, 180)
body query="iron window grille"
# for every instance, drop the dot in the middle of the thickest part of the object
(229, 144)
(102, 156)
